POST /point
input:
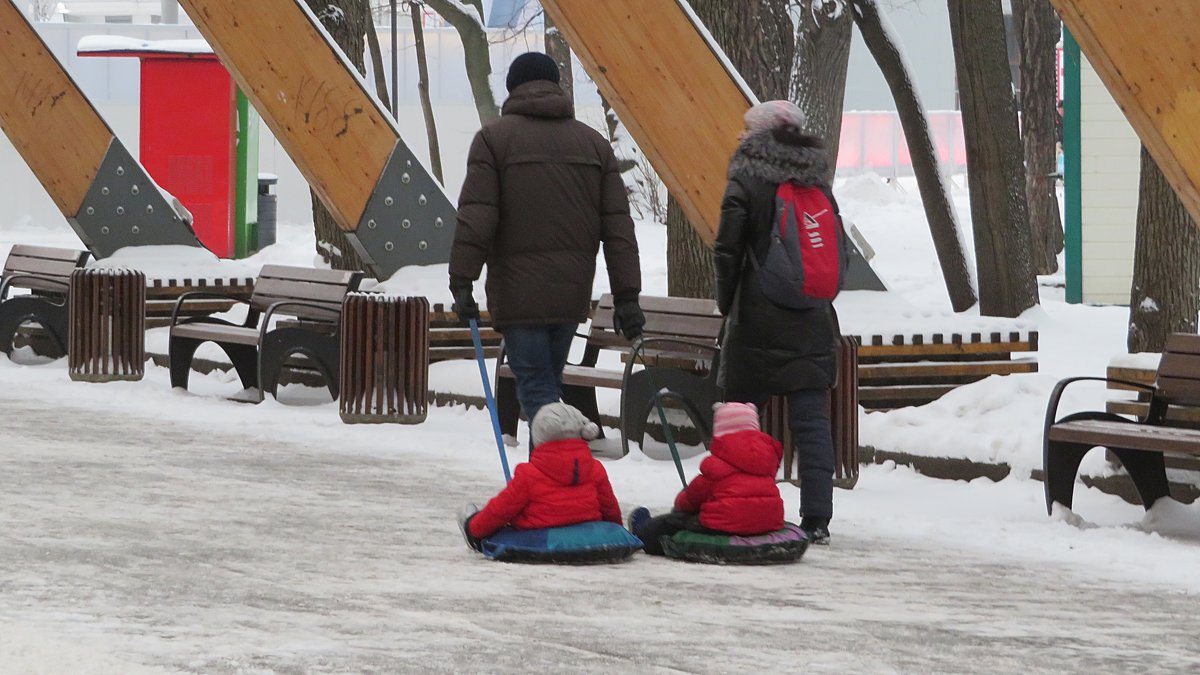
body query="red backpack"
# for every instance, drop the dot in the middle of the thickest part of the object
(806, 257)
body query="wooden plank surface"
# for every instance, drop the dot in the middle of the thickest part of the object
(45, 116)
(307, 94)
(669, 87)
(1135, 436)
(1145, 53)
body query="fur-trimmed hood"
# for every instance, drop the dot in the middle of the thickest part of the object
(779, 155)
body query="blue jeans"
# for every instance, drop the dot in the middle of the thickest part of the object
(812, 436)
(537, 354)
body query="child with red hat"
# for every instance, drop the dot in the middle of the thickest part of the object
(735, 492)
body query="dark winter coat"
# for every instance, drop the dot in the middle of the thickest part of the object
(768, 349)
(561, 484)
(542, 192)
(735, 491)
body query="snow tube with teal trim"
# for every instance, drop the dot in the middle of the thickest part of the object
(584, 543)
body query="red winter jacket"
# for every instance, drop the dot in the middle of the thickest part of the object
(735, 491)
(562, 484)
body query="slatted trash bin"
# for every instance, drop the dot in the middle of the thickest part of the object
(843, 417)
(107, 325)
(384, 360)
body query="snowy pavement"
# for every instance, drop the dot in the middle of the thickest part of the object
(132, 541)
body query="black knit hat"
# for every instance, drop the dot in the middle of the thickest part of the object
(531, 66)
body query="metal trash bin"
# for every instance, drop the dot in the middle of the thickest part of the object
(107, 325)
(843, 418)
(385, 359)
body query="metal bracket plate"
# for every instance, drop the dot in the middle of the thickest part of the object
(124, 207)
(408, 220)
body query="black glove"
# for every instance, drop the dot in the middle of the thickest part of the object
(464, 302)
(474, 542)
(628, 319)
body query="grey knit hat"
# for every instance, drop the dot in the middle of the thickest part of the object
(559, 422)
(774, 115)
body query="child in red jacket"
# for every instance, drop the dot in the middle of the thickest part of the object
(735, 492)
(561, 484)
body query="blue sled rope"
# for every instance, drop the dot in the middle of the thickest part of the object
(491, 402)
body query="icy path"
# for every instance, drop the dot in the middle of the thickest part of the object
(172, 547)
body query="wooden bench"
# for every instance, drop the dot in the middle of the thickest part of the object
(908, 370)
(1141, 446)
(450, 340)
(680, 354)
(257, 350)
(46, 273)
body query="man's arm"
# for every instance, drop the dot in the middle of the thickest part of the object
(478, 214)
(616, 232)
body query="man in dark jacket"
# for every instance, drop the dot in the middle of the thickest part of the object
(542, 193)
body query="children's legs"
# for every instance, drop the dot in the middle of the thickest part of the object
(813, 437)
(661, 526)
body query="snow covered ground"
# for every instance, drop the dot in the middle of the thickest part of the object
(148, 530)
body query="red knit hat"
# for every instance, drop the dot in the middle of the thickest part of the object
(730, 418)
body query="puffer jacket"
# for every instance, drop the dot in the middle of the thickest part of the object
(542, 193)
(768, 349)
(561, 484)
(735, 491)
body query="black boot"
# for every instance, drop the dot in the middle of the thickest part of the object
(817, 530)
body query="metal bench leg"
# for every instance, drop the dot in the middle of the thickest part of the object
(507, 406)
(1148, 471)
(181, 351)
(22, 309)
(1061, 464)
(245, 362)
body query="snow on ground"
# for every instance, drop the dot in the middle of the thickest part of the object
(143, 528)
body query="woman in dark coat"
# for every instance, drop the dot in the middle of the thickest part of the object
(769, 349)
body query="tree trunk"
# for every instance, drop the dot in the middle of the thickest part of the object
(818, 82)
(757, 37)
(381, 88)
(435, 148)
(347, 22)
(558, 49)
(943, 223)
(1166, 266)
(995, 166)
(467, 18)
(1039, 30)
(690, 269)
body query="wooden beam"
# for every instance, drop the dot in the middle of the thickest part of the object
(1145, 52)
(308, 94)
(57, 131)
(671, 87)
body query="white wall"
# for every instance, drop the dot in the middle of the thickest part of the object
(1110, 163)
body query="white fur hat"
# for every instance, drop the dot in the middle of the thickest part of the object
(558, 422)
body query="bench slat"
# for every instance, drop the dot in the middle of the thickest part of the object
(581, 376)
(1175, 413)
(1178, 390)
(217, 332)
(999, 349)
(700, 327)
(1183, 343)
(927, 370)
(1173, 440)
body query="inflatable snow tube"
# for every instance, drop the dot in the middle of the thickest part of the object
(585, 543)
(785, 545)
